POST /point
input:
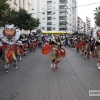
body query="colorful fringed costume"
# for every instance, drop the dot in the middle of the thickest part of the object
(57, 52)
(9, 35)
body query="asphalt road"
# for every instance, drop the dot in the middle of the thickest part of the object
(34, 79)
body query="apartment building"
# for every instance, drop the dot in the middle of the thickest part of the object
(79, 25)
(17, 4)
(55, 15)
(88, 25)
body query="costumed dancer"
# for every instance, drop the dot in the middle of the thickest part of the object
(18, 49)
(87, 50)
(82, 46)
(1, 50)
(9, 35)
(97, 49)
(57, 51)
(24, 40)
(32, 44)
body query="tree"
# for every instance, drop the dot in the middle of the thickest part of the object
(4, 10)
(22, 19)
(12, 16)
(97, 16)
(33, 24)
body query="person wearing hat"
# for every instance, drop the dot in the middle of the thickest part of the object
(97, 48)
(9, 35)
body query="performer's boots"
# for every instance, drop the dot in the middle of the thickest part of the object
(56, 65)
(98, 65)
(6, 67)
(20, 57)
(53, 66)
(88, 56)
(15, 64)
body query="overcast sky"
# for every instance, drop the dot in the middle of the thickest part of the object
(87, 10)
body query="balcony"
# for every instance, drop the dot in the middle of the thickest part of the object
(62, 26)
(62, 2)
(62, 10)
(49, 2)
(62, 7)
(49, 13)
(62, 14)
(49, 25)
(62, 22)
(49, 18)
(62, 17)
(62, 29)
(49, 29)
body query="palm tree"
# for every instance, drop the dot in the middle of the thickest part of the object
(97, 16)
(4, 8)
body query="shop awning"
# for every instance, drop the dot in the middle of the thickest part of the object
(53, 32)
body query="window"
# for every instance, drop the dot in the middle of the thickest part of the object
(43, 18)
(43, 13)
(54, 28)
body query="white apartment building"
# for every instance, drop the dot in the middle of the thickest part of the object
(88, 25)
(17, 4)
(55, 15)
(81, 25)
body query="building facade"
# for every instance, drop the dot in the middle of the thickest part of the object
(17, 4)
(81, 25)
(55, 15)
(88, 25)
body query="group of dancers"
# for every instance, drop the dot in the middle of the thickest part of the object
(86, 45)
(13, 45)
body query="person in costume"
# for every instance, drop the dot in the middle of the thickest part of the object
(9, 35)
(1, 50)
(24, 40)
(97, 48)
(32, 44)
(82, 46)
(87, 50)
(57, 51)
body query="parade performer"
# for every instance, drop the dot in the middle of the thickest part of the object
(57, 51)
(97, 49)
(32, 44)
(87, 50)
(24, 40)
(9, 35)
(82, 46)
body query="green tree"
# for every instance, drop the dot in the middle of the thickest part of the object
(22, 19)
(4, 10)
(97, 16)
(12, 17)
(33, 24)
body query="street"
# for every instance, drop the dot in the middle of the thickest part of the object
(34, 79)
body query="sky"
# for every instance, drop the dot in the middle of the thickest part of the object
(87, 10)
